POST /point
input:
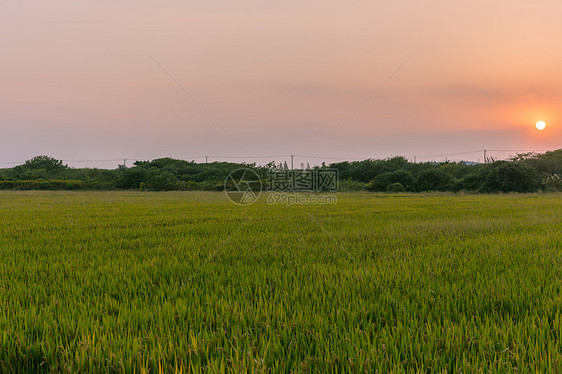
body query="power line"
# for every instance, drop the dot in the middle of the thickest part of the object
(222, 157)
(188, 93)
(327, 158)
(358, 109)
(451, 154)
(110, 160)
(515, 150)
(271, 156)
(480, 151)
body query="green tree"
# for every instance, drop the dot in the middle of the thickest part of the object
(44, 162)
(160, 180)
(395, 187)
(434, 179)
(383, 180)
(505, 176)
(40, 167)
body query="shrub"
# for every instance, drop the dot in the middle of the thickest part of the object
(351, 185)
(395, 187)
(471, 182)
(381, 181)
(39, 184)
(158, 180)
(511, 177)
(434, 179)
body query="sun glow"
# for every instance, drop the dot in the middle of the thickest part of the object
(540, 125)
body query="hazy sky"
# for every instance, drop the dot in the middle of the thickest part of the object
(77, 80)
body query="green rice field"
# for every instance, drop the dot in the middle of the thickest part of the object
(190, 282)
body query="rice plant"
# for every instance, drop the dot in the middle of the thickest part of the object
(189, 282)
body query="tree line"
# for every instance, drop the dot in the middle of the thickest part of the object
(529, 172)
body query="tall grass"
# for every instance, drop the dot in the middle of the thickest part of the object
(182, 282)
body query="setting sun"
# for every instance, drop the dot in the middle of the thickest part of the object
(540, 125)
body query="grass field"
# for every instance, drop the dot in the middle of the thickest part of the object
(131, 281)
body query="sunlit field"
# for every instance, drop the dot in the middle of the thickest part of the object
(188, 281)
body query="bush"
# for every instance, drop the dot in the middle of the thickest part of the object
(434, 179)
(511, 177)
(158, 180)
(395, 187)
(381, 181)
(471, 182)
(52, 185)
(351, 185)
(552, 183)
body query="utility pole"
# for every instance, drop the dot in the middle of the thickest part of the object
(206, 159)
(485, 161)
(414, 159)
(292, 159)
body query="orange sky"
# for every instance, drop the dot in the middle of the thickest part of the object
(77, 81)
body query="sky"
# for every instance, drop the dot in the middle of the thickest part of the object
(87, 81)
